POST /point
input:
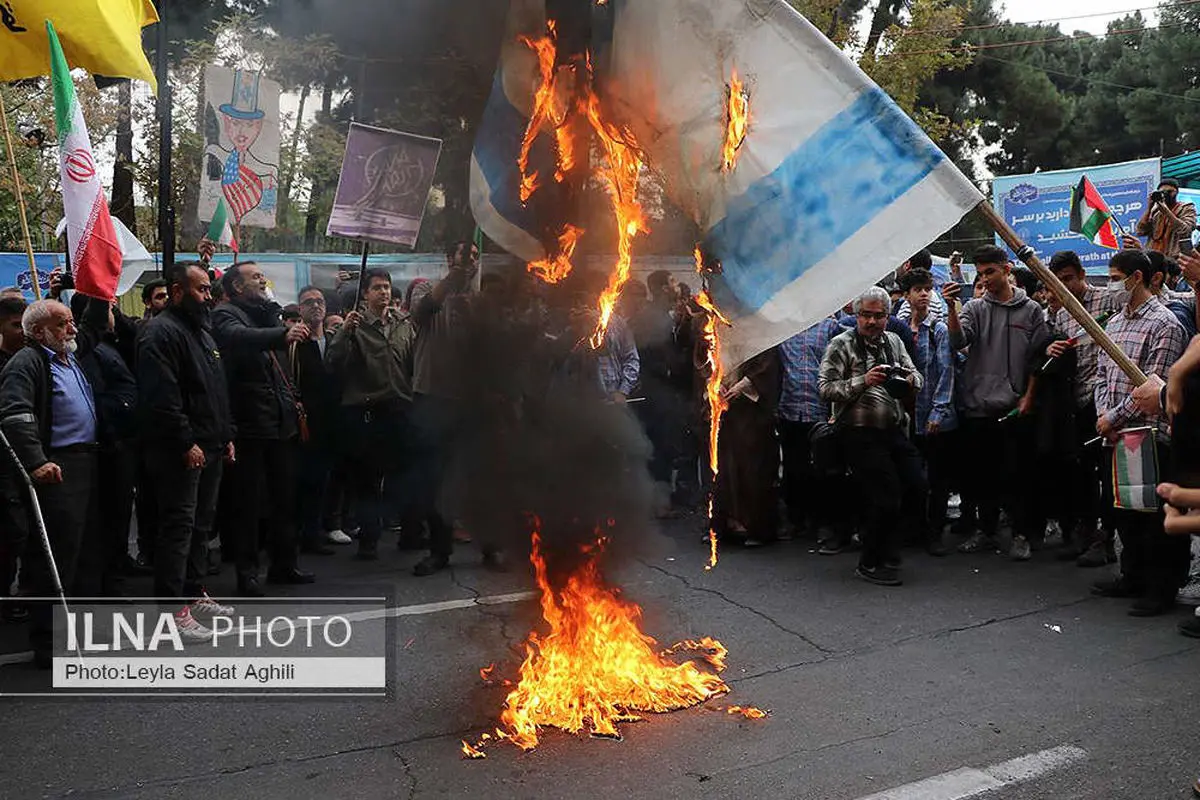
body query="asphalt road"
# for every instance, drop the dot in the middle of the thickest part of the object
(975, 661)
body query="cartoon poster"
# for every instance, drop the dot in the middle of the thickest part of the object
(241, 147)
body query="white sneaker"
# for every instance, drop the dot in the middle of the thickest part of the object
(205, 606)
(337, 537)
(1190, 594)
(190, 631)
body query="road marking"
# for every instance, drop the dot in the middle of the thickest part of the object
(971, 782)
(362, 616)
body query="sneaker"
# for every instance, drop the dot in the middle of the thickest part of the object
(1097, 555)
(205, 606)
(190, 631)
(880, 576)
(1190, 594)
(1020, 550)
(832, 547)
(337, 537)
(976, 544)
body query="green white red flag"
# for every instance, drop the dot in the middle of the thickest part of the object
(220, 230)
(91, 239)
(1091, 217)
(1135, 471)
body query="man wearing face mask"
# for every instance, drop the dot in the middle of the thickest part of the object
(1168, 222)
(48, 413)
(254, 342)
(1153, 565)
(187, 434)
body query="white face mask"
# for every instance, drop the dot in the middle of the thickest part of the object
(1121, 294)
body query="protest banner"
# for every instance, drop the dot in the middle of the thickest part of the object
(384, 185)
(1038, 206)
(241, 147)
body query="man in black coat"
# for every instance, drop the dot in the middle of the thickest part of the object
(48, 414)
(253, 342)
(187, 433)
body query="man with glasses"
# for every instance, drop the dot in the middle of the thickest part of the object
(866, 376)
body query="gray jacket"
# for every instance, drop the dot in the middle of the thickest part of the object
(1004, 338)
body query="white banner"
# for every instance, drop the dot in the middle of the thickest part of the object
(241, 147)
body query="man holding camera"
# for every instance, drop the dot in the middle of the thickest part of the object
(1168, 222)
(867, 376)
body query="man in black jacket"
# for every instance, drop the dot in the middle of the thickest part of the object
(48, 414)
(253, 342)
(187, 434)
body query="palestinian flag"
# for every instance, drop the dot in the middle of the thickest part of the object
(1090, 217)
(220, 230)
(1135, 471)
(91, 239)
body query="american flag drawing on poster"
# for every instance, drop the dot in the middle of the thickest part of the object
(243, 189)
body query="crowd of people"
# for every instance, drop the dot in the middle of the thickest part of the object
(235, 428)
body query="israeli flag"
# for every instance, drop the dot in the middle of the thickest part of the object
(834, 185)
(495, 177)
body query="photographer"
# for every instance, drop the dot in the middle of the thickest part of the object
(1168, 222)
(867, 376)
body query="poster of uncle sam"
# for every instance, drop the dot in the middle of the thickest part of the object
(241, 147)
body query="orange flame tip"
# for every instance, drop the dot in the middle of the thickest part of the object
(749, 712)
(737, 116)
(470, 752)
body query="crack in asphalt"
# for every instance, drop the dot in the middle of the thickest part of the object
(797, 634)
(827, 746)
(412, 779)
(484, 609)
(225, 772)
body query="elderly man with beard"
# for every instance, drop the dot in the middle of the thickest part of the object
(254, 342)
(187, 434)
(48, 414)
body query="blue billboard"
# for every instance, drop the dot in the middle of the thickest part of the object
(1038, 206)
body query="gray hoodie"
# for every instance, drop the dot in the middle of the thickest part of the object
(1004, 339)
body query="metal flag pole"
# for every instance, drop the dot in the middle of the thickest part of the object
(16, 177)
(1069, 301)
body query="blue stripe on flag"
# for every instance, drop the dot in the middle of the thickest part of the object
(497, 148)
(832, 186)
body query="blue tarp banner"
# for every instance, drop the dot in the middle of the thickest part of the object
(14, 271)
(1038, 206)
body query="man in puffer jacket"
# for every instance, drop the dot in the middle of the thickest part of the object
(1005, 332)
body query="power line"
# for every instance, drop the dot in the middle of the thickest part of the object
(968, 47)
(1036, 22)
(1096, 81)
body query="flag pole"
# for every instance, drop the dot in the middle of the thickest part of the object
(1068, 300)
(16, 176)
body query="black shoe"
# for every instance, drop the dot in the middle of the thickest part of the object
(1190, 627)
(293, 576)
(250, 587)
(495, 560)
(1116, 587)
(1151, 607)
(316, 549)
(367, 551)
(880, 576)
(832, 547)
(430, 564)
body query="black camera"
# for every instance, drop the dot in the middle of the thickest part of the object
(1157, 197)
(896, 384)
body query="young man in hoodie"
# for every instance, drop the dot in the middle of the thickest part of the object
(1005, 332)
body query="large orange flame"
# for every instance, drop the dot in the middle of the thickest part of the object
(555, 269)
(546, 49)
(737, 116)
(619, 173)
(595, 667)
(717, 405)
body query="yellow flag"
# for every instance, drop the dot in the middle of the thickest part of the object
(102, 36)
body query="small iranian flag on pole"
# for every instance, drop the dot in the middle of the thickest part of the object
(220, 230)
(1091, 217)
(91, 238)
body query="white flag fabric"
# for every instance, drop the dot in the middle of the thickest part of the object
(834, 185)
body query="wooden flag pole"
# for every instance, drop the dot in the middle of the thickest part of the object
(16, 176)
(1069, 301)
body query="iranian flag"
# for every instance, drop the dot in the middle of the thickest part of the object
(91, 240)
(1090, 216)
(220, 230)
